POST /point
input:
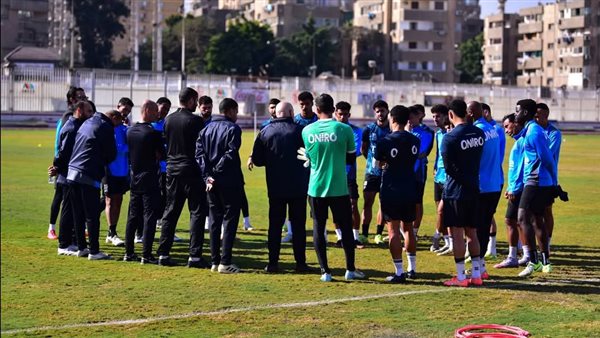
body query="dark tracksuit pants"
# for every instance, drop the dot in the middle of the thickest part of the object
(341, 210)
(297, 216)
(56, 201)
(143, 212)
(85, 202)
(224, 207)
(67, 232)
(180, 188)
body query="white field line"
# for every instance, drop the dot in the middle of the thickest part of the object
(278, 306)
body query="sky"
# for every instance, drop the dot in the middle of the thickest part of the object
(512, 6)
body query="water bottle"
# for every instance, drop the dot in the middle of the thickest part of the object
(51, 179)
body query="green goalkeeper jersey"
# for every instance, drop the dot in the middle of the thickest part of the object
(327, 142)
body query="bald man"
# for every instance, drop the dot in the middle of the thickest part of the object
(146, 149)
(287, 182)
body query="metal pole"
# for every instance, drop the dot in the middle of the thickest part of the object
(159, 66)
(183, 40)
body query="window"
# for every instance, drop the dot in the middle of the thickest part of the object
(438, 26)
(24, 14)
(549, 81)
(495, 41)
(412, 45)
(414, 5)
(424, 65)
(437, 46)
(412, 65)
(439, 5)
(550, 26)
(551, 45)
(550, 64)
(413, 25)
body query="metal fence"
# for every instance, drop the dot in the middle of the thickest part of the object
(43, 91)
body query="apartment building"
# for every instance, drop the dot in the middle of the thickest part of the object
(500, 38)
(421, 36)
(24, 23)
(558, 45)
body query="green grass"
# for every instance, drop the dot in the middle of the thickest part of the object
(40, 288)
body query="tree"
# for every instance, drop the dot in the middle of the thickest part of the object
(245, 48)
(98, 24)
(369, 47)
(470, 60)
(295, 53)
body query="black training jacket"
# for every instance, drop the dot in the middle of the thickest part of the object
(66, 141)
(217, 152)
(276, 148)
(182, 128)
(94, 147)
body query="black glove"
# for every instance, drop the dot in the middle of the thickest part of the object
(563, 195)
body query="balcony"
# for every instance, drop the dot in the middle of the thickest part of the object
(572, 60)
(495, 67)
(529, 81)
(418, 35)
(529, 45)
(495, 33)
(424, 15)
(572, 23)
(532, 27)
(421, 55)
(530, 63)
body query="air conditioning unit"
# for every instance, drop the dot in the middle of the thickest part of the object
(441, 33)
(269, 8)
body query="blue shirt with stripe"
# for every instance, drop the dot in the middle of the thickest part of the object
(425, 136)
(351, 168)
(540, 167)
(555, 138)
(160, 126)
(490, 166)
(502, 138)
(438, 166)
(515, 165)
(120, 166)
(373, 134)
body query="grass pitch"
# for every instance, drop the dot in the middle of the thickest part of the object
(47, 295)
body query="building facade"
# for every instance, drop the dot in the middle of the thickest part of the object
(500, 38)
(421, 37)
(24, 23)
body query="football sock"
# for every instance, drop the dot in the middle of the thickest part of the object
(365, 230)
(476, 263)
(398, 266)
(50, 227)
(482, 265)
(112, 230)
(526, 251)
(338, 234)
(379, 229)
(416, 231)
(437, 235)
(194, 259)
(512, 252)
(460, 268)
(356, 234)
(247, 220)
(533, 257)
(412, 261)
(492, 244)
(545, 258)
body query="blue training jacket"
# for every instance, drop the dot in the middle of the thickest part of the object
(120, 166)
(502, 138)
(160, 127)
(372, 134)
(515, 165)
(490, 166)
(438, 166)
(425, 136)
(555, 137)
(540, 167)
(351, 168)
(302, 122)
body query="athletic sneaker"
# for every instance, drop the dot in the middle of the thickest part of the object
(338, 244)
(68, 251)
(448, 251)
(435, 244)
(166, 261)
(396, 279)
(547, 268)
(199, 264)
(358, 244)
(356, 274)
(115, 240)
(83, 253)
(378, 239)
(248, 226)
(52, 234)
(508, 262)
(476, 281)
(455, 282)
(138, 239)
(485, 275)
(363, 239)
(523, 261)
(272, 268)
(442, 248)
(326, 277)
(287, 238)
(177, 239)
(489, 255)
(386, 238)
(530, 269)
(228, 269)
(98, 256)
(206, 227)
(131, 258)
(149, 260)
(412, 274)
(214, 268)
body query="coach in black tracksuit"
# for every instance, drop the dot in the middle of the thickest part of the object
(287, 183)
(184, 180)
(80, 112)
(217, 153)
(146, 149)
(94, 149)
